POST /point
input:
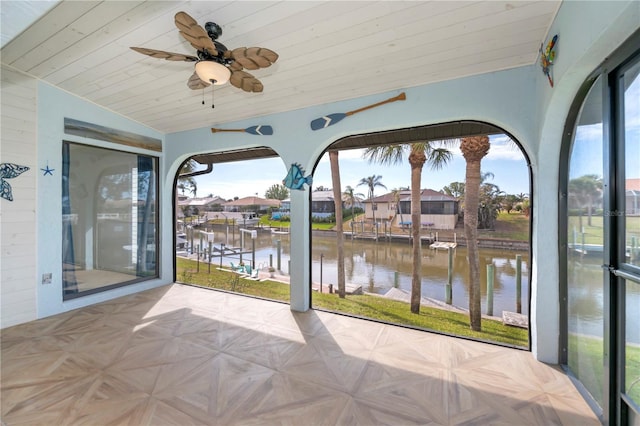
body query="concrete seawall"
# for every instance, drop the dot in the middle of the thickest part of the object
(428, 239)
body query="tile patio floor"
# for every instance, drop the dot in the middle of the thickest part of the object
(182, 355)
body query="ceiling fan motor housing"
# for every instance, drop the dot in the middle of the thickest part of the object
(214, 30)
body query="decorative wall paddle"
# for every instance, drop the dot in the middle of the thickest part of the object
(331, 119)
(254, 130)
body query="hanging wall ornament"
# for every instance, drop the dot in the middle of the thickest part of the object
(47, 171)
(547, 56)
(295, 179)
(331, 119)
(253, 130)
(9, 171)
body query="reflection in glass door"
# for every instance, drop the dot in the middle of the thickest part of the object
(601, 341)
(629, 209)
(585, 242)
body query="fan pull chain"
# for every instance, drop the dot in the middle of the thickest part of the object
(203, 96)
(213, 82)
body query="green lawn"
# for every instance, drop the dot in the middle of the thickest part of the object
(593, 233)
(373, 307)
(586, 362)
(509, 226)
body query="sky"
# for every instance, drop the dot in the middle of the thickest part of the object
(587, 152)
(248, 178)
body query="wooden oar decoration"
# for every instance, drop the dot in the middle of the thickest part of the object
(331, 119)
(253, 130)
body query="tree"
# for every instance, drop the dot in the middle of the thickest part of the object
(419, 154)
(277, 191)
(337, 199)
(584, 191)
(187, 183)
(349, 196)
(490, 201)
(455, 189)
(473, 150)
(371, 183)
(510, 202)
(396, 200)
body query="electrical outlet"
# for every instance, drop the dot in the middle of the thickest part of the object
(46, 278)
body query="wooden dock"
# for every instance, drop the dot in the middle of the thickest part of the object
(514, 319)
(442, 245)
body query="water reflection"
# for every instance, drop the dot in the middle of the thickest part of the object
(374, 265)
(379, 266)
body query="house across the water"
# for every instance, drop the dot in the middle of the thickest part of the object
(439, 211)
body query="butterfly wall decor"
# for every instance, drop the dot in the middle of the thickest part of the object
(547, 56)
(9, 171)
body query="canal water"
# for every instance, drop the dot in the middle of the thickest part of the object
(375, 266)
(379, 266)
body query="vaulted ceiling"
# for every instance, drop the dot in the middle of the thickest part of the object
(328, 51)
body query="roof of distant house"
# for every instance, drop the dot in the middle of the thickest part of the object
(632, 185)
(203, 201)
(426, 195)
(253, 201)
(322, 196)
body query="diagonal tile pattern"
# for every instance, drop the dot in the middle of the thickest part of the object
(181, 355)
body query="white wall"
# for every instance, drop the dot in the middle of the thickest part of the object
(53, 106)
(587, 33)
(18, 236)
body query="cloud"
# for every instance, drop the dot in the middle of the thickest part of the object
(347, 154)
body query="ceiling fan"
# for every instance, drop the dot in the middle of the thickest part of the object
(215, 64)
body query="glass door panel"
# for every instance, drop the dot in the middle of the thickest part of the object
(630, 259)
(585, 239)
(632, 342)
(632, 164)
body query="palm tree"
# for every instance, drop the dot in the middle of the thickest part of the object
(473, 150)
(419, 154)
(372, 182)
(396, 200)
(455, 189)
(337, 199)
(187, 183)
(349, 196)
(585, 191)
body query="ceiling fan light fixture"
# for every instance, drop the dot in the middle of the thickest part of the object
(212, 71)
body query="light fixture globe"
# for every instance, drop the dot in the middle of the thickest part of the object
(212, 71)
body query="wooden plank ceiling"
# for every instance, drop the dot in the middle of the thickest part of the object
(329, 51)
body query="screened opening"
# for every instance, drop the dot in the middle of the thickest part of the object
(232, 223)
(378, 254)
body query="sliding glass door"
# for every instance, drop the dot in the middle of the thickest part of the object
(601, 243)
(627, 215)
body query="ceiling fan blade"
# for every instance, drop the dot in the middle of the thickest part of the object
(235, 66)
(194, 33)
(245, 81)
(253, 58)
(195, 83)
(161, 54)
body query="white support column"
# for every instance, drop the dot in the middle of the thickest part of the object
(300, 251)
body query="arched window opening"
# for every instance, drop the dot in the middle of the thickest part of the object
(375, 268)
(232, 223)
